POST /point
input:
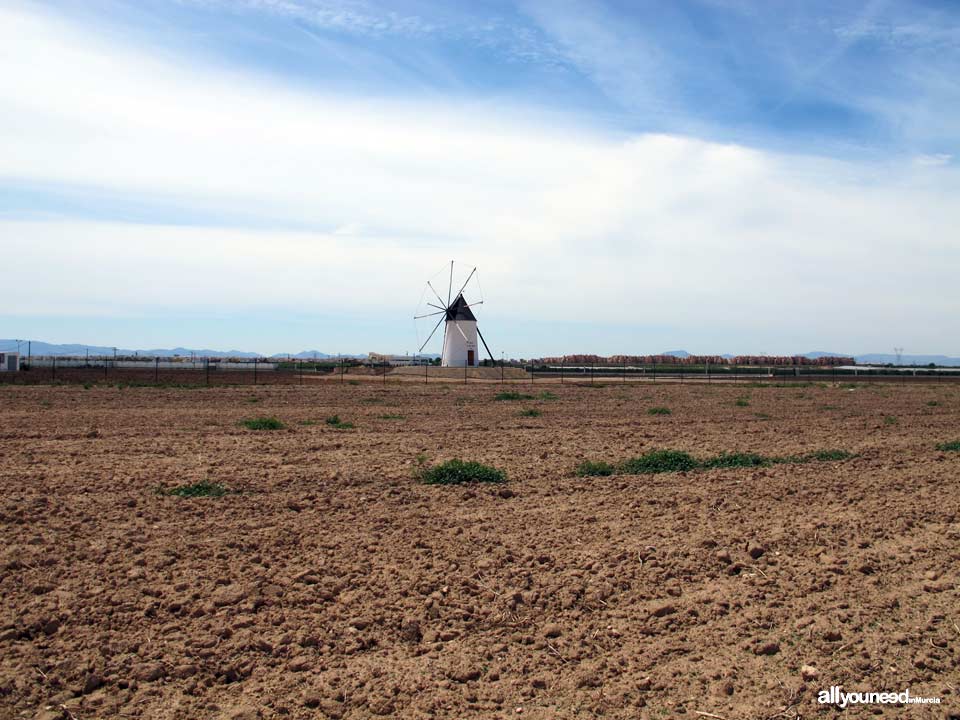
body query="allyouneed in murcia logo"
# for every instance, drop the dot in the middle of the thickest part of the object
(836, 696)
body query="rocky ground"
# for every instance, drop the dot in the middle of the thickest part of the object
(332, 584)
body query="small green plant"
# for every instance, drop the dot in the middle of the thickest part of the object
(952, 446)
(932, 403)
(512, 395)
(659, 461)
(306, 423)
(87, 386)
(829, 407)
(828, 455)
(742, 402)
(335, 422)
(262, 423)
(353, 382)
(204, 488)
(390, 416)
(456, 472)
(252, 400)
(761, 416)
(531, 412)
(732, 460)
(546, 395)
(594, 468)
(658, 411)
(890, 420)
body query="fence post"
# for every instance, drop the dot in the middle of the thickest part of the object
(426, 367)
(561, 372)
(591, 373)
(465, 374)
(207, 370)
(255, 371)
(156, 370)
(501, 371)
(341, 371)
(105, 367)
(300, 369)
(54, 374)
(654, 373)
(385, 364)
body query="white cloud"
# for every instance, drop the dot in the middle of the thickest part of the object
(563, 221)
(935, 160)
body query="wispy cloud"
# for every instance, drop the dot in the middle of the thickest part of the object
(314, 200)
(346, 15)
(500, 32)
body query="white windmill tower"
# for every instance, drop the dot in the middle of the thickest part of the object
(460, 331)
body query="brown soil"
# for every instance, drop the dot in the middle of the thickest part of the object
(334, 585)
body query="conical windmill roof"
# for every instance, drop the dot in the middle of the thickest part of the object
(460, 310)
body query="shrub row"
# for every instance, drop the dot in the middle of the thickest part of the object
(661, 461)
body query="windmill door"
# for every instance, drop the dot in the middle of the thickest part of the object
(470, 358)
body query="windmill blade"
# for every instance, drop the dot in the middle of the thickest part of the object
(436, 293)
(419, 317)
(479, 302)
(450, 286)
(486, 346)
(465, 283)
(431, 335)
(460, 331)
(438, 307)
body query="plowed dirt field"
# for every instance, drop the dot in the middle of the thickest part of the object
(330, 583)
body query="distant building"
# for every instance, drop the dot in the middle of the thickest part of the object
(9, 362)
(396, 360)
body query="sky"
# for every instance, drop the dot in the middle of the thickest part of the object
(632, 177)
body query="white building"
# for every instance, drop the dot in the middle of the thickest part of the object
(460, 336)
(9, 362)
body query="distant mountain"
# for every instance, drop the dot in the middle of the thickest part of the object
(42, 349)
(891, 359)
(819, 354)
(884, 359)
(305, 355)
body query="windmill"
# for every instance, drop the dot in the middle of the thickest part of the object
(460, 331)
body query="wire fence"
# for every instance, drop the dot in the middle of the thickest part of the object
(215, 372)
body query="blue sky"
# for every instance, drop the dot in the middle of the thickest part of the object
(276, 175)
